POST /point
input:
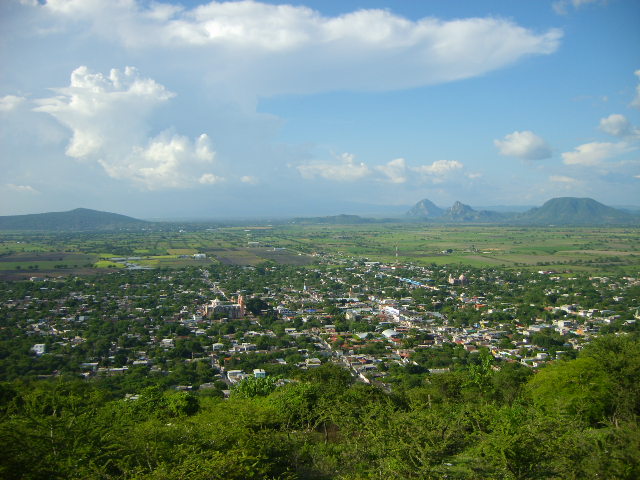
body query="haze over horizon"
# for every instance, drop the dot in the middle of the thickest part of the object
(212, 109)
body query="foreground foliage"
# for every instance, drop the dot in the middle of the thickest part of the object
(573, 420)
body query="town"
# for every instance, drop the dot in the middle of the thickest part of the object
(207, 328)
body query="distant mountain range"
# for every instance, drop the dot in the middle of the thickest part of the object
(79, 219)
(557, 211)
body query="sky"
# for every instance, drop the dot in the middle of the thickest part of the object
(196, 109)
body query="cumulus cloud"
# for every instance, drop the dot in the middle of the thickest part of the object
(10, 102)
(395, 171)
(22, 188)
(636, 100)
(439, 167)
(595, 153)
(439, 171)
(345, 169)
(99, 108)
(526, 145)
(107, 116)
(166, 162)
(617, 125)
(366, 49)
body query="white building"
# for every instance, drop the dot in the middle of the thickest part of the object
(38, 349)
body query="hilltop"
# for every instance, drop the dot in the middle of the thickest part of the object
(557, 211)
(78, 219)
(425, 209)
(576, 211)
(459, 212)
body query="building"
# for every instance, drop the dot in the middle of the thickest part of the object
(461, 280)
(229, 309)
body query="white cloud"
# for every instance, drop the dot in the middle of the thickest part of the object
(209, 179)
(618, 126)
(99, 109)
(344, 170)
(107, 116)
(438, 172)
(395, 170)
(245, 42)
(562, 179)
(526, 145)
(636, 100)
(595, 153)
(166, 162)
(22, 188)
(10, 102)
(251, 180)
(439, 167)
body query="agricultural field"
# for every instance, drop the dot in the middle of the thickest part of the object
(576, 249)
(603, 250)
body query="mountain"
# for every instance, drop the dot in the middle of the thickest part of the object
(78, 219)
(459, 212)
(557, 211)
(576, 211)
(425, 209)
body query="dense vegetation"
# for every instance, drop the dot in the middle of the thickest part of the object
(574, 419)
(455, 409)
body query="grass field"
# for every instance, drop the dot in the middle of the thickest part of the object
(577, 249)
(33, 260)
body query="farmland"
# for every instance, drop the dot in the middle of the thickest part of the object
(607, 250)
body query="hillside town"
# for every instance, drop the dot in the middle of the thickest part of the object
(209, 328)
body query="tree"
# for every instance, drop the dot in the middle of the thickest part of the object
(254, 387)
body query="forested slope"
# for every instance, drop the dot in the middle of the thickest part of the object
(572, 420)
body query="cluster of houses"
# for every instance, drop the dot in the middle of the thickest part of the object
(364, 316)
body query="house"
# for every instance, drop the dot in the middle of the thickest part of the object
(236, 376)
(312, 362)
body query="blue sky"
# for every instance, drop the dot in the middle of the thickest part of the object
(216, 109)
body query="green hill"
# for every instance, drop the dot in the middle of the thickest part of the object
(78, 219)
(576, 211)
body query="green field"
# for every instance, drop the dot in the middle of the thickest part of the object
(602, 250)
